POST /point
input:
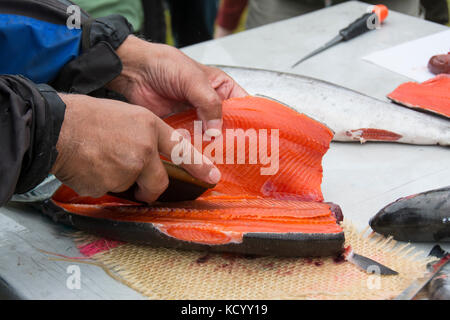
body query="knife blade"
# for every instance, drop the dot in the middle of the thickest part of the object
(366, 264)
(410, 292)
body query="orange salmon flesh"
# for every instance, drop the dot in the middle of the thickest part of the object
(244, 201)
(432, 95)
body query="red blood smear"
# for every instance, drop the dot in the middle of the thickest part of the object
(441, 262)
(371, 134)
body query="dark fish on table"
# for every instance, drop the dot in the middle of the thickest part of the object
(439, 287)
(420, 217)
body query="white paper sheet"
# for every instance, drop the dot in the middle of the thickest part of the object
(411, 58)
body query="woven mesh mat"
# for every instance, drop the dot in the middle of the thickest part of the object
(160, 273)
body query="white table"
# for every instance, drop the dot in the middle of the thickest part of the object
(361, 178)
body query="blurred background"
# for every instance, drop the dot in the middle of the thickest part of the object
(181, 23)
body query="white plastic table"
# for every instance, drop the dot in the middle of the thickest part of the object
(361, 178)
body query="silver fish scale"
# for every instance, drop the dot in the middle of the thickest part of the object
(343, 110)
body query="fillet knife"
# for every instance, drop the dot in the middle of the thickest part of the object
(182, 186)
(359, 26)
(366, 264)
(410, 292)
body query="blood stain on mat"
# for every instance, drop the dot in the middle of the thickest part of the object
(318, 263)
(339, 259)
(203, 259)
(231, 256)
(97, 246)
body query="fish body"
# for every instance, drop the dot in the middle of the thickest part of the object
(439, 286)
(432, 95)
(351, 115)
(421, 217)
(248, 212)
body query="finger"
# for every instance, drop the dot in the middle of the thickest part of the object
(227, 89)
(125, 184)
(175, 147)
(152, 181)
(205, 99)
(224, 85)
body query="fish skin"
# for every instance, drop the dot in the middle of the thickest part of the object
(422, 217)
(351, 115)
(439, 286)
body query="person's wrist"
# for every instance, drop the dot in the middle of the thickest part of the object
(64, 146)
(133, 53)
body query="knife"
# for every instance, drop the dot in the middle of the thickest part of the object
(182, 186)
(359, 26)
(366, 264)
(410, 292)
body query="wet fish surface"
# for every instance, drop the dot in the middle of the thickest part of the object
(351, 115)
(421, 217)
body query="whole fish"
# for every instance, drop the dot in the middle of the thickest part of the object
(439, 286)
(351, 115)
(420, 217)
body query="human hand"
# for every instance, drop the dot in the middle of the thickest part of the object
(107, 145)
(165, 81)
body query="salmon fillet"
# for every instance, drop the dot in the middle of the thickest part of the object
(244, 202)
(432, 95)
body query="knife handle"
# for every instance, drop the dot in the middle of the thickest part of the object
(182, 186)
(357, 27)
(365, 23)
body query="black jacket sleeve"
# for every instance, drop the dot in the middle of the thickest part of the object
(31, 115)
(30, 121)
(99, 63)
